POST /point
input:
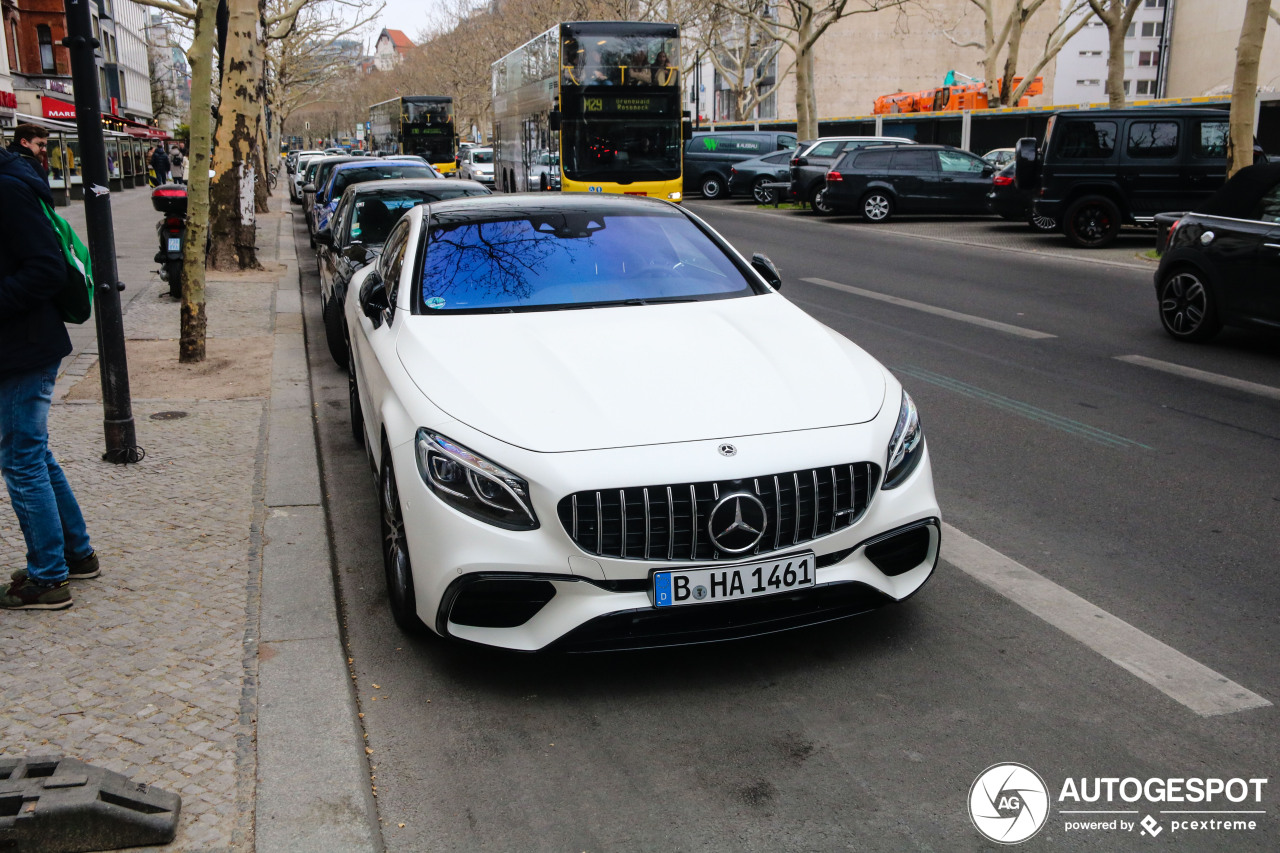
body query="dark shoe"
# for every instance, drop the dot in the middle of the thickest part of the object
(77, 570)
(32, 596)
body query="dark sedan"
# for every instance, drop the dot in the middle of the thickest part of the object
(1008, 202)
(878, 182)
(750, 176)
(355, 234)
(1222, 263)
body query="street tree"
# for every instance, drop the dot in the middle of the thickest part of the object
(799, 24)
(1244, 89)
(743, 53)
(1116, 16)
(1003, 26)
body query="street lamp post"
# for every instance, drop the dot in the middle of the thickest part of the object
(113, 367)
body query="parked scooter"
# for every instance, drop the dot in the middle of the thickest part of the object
(171, 200)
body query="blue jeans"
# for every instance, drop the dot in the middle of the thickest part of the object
(42, 499)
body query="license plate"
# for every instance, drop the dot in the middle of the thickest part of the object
(175, 244)
(726, 583)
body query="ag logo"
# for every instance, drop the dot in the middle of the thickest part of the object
(1008, 803)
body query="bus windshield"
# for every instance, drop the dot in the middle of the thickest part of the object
(633, 60)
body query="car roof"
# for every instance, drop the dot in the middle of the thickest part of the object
(395, 184)
(603, 204)
(367, 162)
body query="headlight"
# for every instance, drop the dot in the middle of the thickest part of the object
(472, 484)
(907, 445)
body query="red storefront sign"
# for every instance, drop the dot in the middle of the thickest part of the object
(53, 108)
(8, 100)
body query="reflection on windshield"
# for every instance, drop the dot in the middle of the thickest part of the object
(621, 61)
(373, 216)
(570, 258)
(347, 177)
(429, 112)
(482, 155)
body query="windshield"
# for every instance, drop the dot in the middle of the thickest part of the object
(622, 150)
(430, 112)
(373, 216)
(346, 177)
(482, 155)
(572, 259)
(620, 61)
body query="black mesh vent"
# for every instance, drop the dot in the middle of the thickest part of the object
(669, 523)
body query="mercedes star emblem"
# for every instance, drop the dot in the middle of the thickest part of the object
(728, 450)
(737, 522)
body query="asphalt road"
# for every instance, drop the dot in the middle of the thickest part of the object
(1106, 605)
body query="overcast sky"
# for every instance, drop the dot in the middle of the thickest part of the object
(411, 16)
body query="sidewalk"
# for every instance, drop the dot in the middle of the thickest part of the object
(207, 658)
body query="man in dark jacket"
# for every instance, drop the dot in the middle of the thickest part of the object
(32, 142)
(33, 340)
(160, 163)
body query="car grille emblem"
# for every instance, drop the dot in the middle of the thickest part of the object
(728, 450)
(737, 523)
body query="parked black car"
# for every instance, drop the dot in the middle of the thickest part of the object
(709, 156)
(880, 181)
(1008, 202)
(810, 166)
(1222, 263)
(354, 236)
(750, 176)
(314, 190)
(1100, 169)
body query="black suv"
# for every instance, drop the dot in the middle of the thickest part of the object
(809, 167)
(879, 181)
(1100, 169)
(708, 157)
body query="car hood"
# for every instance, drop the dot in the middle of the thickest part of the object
(587, 379)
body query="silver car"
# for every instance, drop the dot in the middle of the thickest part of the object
(477, 165)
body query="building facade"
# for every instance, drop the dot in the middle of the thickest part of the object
(170, 74)
(390, 49)
(1202, 49)
(8, 101)
(1082, 66)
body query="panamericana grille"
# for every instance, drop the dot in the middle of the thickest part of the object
(669, 522)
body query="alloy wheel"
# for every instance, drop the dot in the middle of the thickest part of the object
(1043, 223)
(762, 194)
(876, 207)
(395, 551)
(1186, 309)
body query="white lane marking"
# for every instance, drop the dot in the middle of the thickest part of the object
(932, 309)
(1203, 376)
(1179, 677)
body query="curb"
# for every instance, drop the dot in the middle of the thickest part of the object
(313, 790)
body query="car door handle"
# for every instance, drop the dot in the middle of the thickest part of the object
(947, 180)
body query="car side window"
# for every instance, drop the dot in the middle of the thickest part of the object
(826, 149)
(913, 161)
(1269, 206)
(1210, 139)
(392, 261)
(955, 161)
(1086, 140)
(786, 143)
(784, 157)
(1152, 139)
(873, 161)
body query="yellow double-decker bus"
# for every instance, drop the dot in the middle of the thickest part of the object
(416, 124)
(591, 106)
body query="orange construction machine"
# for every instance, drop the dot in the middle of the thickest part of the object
(951, 95)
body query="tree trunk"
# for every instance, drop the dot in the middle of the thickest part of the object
(1244, 90)
(191, 341)
(1011, 57)
(240, 106)
(806, 95)
(1115, 65)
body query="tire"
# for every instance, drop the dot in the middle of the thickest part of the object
(1043, 224)
(876, 206)
(395, 551)
(1188, 310)
(353, 402)
(173, 274)
(1092, 222)
(761, 194)
(712, 187)
(819, 204)
(333, 332)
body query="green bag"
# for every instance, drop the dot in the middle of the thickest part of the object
(75, 300)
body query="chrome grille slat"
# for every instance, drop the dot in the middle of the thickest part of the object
(606, 533)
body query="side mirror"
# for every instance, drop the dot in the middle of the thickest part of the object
(309, 188)
(325, 237)
(553, 120)
(373, 298)
(988, 171)
(761, 264)
(357, 252)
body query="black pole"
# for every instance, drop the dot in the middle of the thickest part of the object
(112, 365)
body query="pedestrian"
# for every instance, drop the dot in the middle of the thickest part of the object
(160, 163)
(33, 340)
(180, 161)
(32, 142)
